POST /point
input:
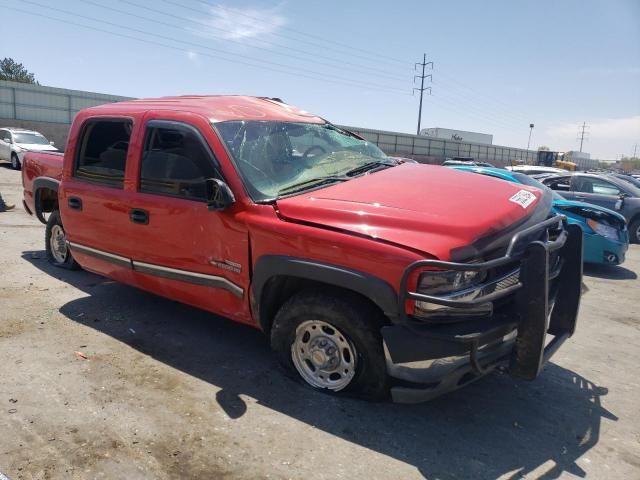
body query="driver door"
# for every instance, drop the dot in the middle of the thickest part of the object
(180, 248)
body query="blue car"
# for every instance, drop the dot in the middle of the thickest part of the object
(606, 238)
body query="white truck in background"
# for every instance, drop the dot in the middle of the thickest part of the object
(457, 135)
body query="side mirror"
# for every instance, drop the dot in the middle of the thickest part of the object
(52, 143)
(219, 195)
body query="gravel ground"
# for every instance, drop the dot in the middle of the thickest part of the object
(168, 391)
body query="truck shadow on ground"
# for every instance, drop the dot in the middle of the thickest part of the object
(493, 427)
(609, 272)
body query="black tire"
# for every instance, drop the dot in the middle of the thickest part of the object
(68, 263)
(15, 162)
(354, 318)
(634, 231)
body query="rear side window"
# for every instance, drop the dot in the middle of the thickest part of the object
(102, 155)
(176, 161)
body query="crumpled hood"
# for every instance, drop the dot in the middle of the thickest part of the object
(582, 209)
(428, 208)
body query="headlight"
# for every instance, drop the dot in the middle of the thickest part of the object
(454, 283)
(449, 281)
(601, 229)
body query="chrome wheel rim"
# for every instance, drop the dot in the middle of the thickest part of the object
(14, 162)
(638, 234)
(58, 244)
(323, 356)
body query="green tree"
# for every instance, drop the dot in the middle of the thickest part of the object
(14, 71)
(543, 148)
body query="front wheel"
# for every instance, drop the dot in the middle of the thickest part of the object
(15, 162)
(55, 239)
(332, 342)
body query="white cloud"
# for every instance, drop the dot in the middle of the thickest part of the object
(194, 58)
(606, 138)
(242, 23)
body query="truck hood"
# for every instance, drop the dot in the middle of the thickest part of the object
(432, 209)
(36, 147)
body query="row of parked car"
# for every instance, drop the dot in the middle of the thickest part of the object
(601, 205)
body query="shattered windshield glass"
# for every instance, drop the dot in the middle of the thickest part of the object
(277, 158)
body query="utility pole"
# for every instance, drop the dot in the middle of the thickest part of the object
(581, 134)
(531, 125)
(422, 87)
(635, 151)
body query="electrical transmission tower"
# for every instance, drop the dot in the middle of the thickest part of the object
(422, 87)
(582, 133)
(635, 151)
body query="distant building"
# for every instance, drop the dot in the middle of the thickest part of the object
(458, 135)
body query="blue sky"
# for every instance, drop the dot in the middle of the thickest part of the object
(498, 65)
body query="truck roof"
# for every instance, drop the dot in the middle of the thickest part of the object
(217, 108)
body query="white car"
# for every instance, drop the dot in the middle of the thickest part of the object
(14, 142)
(535, 169)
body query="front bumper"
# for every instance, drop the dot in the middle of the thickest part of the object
(598, 249)
(428, 359)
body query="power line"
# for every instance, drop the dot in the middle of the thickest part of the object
(422, 87)
(312, 74)
(376, 56)
(476, 93)
(308, 57)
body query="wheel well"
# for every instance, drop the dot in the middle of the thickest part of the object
(46, 201)
(280, 288)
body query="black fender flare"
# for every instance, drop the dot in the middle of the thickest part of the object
(39, 184)
(267, 267)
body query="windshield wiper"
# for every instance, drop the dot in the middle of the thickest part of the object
(313, 182)
(368, 167)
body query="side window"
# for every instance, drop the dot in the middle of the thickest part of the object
(103, 150)
(175, 162)
(5, 136)
(560, 184)
(597, 186)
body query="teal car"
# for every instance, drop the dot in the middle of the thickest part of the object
(606, 238)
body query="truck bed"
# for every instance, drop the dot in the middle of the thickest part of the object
(39, 165)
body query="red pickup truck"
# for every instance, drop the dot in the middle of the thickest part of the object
(369, 275)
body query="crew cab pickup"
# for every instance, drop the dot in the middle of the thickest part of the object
(371, 276)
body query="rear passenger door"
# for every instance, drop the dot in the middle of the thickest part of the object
(93, 201)
(184, 250)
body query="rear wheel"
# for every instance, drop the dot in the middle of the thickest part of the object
(331, 342)
(634, 231)
(58, 252)
(15, 161)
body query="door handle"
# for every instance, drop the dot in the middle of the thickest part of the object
(581, 197)
(137, 215)
(75, 203)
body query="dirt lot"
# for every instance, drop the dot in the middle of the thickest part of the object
(168, 391)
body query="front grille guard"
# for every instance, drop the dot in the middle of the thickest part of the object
(515, 251)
